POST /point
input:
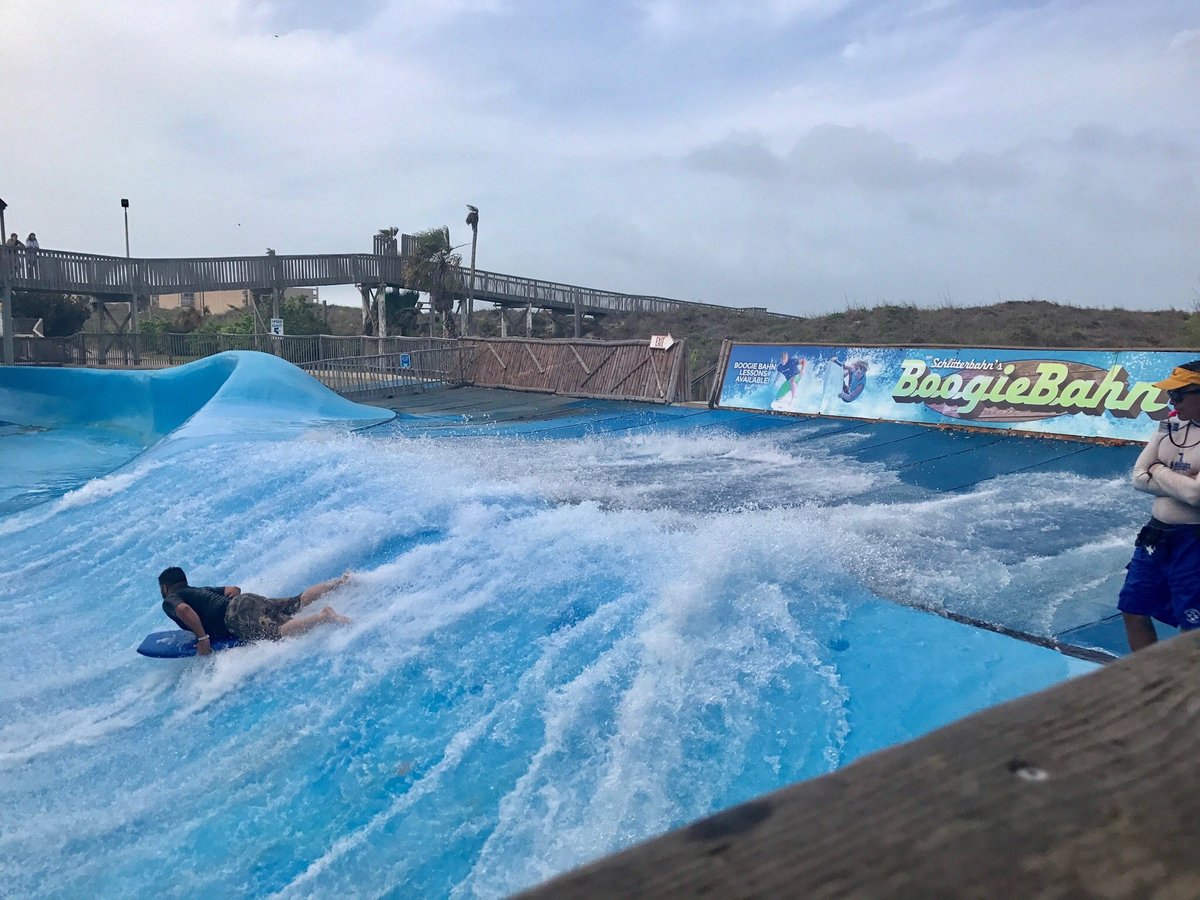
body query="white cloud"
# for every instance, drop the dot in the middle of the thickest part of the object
(672, 16)
(791, 155)
(853, 50)
(1183, 40)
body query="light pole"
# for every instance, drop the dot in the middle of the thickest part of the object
(6, 323)
(473, 221)
(125, 207)
(133, 297)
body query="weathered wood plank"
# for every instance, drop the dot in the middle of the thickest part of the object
(582, 364)
(1087, 789)
(609, 353)
(533, 356)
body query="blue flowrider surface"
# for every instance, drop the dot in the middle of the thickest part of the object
(177, 644)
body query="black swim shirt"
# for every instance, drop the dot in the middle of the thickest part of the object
(208, 602)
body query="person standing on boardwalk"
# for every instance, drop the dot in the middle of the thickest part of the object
(1162, 580)
(13, 241)
(219, 613)
(31, 253)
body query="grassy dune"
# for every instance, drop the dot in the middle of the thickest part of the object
(1024, 323)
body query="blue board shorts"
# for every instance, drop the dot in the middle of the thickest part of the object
(252, 617)
(1163, 578)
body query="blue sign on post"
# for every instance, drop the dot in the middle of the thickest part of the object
(406, 360)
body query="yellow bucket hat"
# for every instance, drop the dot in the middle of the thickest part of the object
(1180, 376)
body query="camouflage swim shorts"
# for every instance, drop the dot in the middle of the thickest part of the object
(252, 617)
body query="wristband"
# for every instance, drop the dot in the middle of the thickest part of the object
(203, 637)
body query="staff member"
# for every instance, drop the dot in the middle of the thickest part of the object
(1162, 580)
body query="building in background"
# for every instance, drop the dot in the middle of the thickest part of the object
(215, 302)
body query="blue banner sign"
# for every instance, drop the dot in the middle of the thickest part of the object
(1086, 393)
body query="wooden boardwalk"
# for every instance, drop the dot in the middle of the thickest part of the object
(1087, 789)
(117, 277)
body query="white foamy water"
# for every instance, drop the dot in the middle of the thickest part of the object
(559, 647)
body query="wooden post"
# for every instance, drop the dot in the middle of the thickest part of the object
(714, 395)
(6, 316)
(528, 320)
(276, 300)
(368, 322)
(679, 362)
(381, 308)
(133, 311)
(503, 321)
(578, 314)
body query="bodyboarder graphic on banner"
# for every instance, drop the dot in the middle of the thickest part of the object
(854, 379)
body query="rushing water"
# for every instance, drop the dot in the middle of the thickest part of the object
(560, 646)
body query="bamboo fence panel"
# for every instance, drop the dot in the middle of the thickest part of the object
(617, 370)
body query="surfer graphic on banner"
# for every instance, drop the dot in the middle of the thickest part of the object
(787, 373)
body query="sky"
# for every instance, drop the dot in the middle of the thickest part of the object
(803, 155)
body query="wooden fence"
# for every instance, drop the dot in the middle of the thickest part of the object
(615, 370)
(373, 366)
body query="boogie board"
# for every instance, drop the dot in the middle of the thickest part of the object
(177, 644)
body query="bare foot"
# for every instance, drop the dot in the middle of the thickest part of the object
(329, 614)
(317, 591)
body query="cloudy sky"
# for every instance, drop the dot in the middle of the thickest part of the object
(804, 155)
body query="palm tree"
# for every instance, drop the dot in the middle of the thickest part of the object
(434, 267)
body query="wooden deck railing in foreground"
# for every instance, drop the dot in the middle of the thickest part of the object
(614, 370)
(1087, 789)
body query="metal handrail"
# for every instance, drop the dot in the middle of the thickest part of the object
(386, 374)
(160, 350)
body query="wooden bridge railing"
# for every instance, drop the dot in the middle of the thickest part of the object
(82, 273)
